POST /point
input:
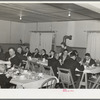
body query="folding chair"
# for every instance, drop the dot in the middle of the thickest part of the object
(95, 82)
(49, 83)
(66, 77)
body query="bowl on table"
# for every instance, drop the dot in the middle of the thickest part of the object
(25, 71)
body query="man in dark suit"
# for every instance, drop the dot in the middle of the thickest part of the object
(15, 61)
(27, 52)
(72, 64)
(36, 53)
(53, 62)
(4, 79)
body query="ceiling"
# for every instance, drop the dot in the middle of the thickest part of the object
(46, 12)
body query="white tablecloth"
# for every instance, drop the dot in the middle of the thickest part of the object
(30, 83)
(91, 70)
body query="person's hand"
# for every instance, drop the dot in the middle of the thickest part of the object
(8, 75)
(81, 63)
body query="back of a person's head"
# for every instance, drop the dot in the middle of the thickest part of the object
(73, 54)
(87, 54)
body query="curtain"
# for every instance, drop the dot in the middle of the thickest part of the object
(93, 45)
(46, 41)
(41, 41)
(34, 41)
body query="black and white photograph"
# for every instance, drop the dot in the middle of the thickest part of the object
(50, 46)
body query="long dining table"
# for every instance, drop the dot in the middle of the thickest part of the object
(30, 80)
(84, 79)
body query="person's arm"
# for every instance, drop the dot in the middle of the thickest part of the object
(92, 63)
(79, 67)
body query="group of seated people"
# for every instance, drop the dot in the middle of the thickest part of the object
(65, 59)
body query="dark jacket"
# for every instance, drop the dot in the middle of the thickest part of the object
(4, 81)
(91, 62)
(72, 65)
(2, 56)
(7, 56)
(15, 61)
(21, 57)
(54, 63)
(27, 54)
(36, 55)
(44, 56)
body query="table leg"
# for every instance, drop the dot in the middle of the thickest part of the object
(86, 80)
(82, 82)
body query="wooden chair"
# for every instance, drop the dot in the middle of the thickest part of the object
(49, 83)
(66, 77)
(95, 82)
(48, 70)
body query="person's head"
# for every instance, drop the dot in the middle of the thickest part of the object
(52, 53)
(27, 49)
(75, 52)
(65, 52)
(87, 56)
(20, 50)
(36, 50)
(43, 51)
(1, 50)
(11, 51)
(63, 44)
(2, 68)
(73, 55)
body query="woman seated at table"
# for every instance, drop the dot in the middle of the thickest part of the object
(22, 58)
(43, 54)
(63, 57)
(36, 53)
(53, 62)
(4, 79)
(15, 61)
(27, 52)
(88, 61)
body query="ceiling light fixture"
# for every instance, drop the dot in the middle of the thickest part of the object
(20, 16)
(69, 13)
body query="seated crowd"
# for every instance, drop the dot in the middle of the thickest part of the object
(67, 60)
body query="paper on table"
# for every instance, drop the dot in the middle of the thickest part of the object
(87, 71)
